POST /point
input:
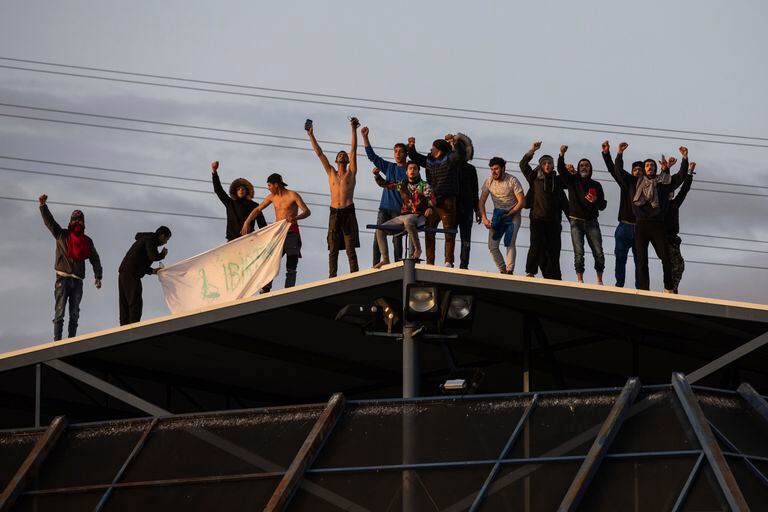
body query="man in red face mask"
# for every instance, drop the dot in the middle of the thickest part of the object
(73, 247)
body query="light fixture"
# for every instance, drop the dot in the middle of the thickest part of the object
(462, 381)
(422, 302)
(460, 307)
(357, 314)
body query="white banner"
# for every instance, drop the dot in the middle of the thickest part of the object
(237, 269)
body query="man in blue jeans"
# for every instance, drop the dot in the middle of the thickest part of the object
(73, 247)
(391, 202)
(585, 201)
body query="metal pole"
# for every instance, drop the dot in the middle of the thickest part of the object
(410, 390)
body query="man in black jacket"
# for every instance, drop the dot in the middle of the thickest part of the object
(442, 169)
(673, 228)
(73, 247)
(136, 264)
(239, 203)
(546, 190)
(585, 201)
(467, 211)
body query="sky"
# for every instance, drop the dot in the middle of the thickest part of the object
(687, 66)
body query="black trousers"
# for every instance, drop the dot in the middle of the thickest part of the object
(652, 231)
(544, 252)
(129, 291)
(465, 220)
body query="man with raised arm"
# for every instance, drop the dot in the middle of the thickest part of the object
(546, 190)
(238, 204)
(624, 235)
(466, 201)
(391, 202)
(508, 201)
(136, 264)
(342, 221)
(650, 202)
(673, 228)
(585, 201)
(442, 166)
(418, 201)
(73, 247)
(287, 204)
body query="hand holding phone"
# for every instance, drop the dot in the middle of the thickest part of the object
(308, 124)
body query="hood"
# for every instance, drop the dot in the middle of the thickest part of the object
(468, 147)
(589, 176)
(241, 182)
(143, 235)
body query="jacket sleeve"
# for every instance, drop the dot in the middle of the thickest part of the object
(223, 197)
(98, 271)
(49, 221)
(525, 167)
(619, 174)
(679, 177)
(379, 162)
(680, 197)
(380, 181)
(151, 248)
(417, 157)
(565, 177)
(601, 202)
(475, 188)
(261, 221)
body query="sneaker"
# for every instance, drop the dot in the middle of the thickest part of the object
(529, 275)
(503, 271)
(449, 264)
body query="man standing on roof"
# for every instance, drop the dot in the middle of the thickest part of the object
(673, 228)
(73, 247)
(466, 201)
(624, 236)
(136, 264)
(442, 169)
(239, 203)
(342, 221)
(287, 204)
(508, 201)
(585, 201)
(546, 191)
(418, 201)
(391, 202)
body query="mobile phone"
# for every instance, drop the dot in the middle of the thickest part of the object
(308, 124)
(592, 192)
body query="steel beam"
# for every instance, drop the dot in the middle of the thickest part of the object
(687, 486)
(726, 359)
(753, 398)
(32, 463)
(706, 438)
(504, 452)
(600, 446)
(293, 477)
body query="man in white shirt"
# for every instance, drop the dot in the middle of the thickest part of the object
(508, 200)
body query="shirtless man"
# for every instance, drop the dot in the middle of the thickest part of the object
(342, 222)
(287, 204)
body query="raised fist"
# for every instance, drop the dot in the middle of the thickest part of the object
(449, 137)
(623, 147)
(570, 168)
(536, 145)
(376, 170)
(563, 149)
(684, 151)
(364, 131)
(671, 161)
(214, 166)
(606, 146)
(43, 198)
(354, 122)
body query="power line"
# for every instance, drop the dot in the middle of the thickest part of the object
(124, 171)
(211, 217)
(403, 111)
(234, 141)
(335, 96)
(276, 136)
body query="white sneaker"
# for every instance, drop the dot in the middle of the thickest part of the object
(449, 264)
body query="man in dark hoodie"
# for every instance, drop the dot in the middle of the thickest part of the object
(585, 201)
(624, 236)
(73, 247)
(239, 203)
(467, 211)
(673, 228)
(136, 264)
(442, 169)
(546, 190)
(650, 202)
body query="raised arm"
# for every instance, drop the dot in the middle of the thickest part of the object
(353, 149)
(621, 176)
(223, 196)
(686, 187)
(680, 176)
(48, 219)
(564, 171)
(318, 150)
(255, 213)
(414, 155)
(380, 181)
(525, 162)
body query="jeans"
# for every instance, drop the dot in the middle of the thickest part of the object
(624, 240)
(444, 212)
(591, 229)
(493, 246)
(382, 217)
(652, 231)
(411, 222)
(67, 289)
(544, 251)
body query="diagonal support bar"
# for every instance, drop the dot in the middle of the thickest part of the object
(106, 387)
(32, 463)
(726, 359)
(706, 438)
(753, 398)
(600, 446)
(306, 454)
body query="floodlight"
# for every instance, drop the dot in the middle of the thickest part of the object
(460, 306)
(422, 300)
